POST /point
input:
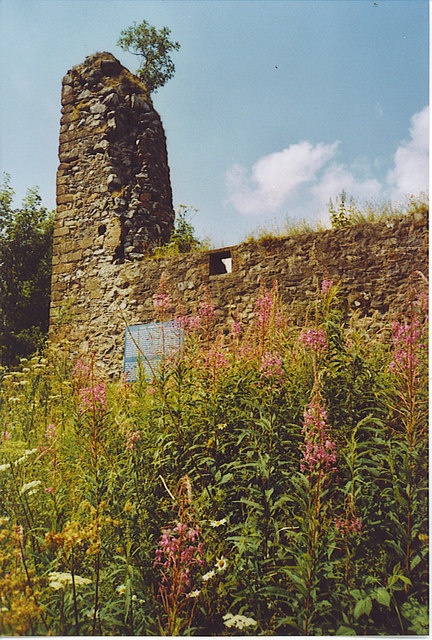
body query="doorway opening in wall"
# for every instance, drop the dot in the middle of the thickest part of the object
(220, 263)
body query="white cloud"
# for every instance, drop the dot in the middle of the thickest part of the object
(337, 178)
(301, 179)
(275, 177)
(410, 174)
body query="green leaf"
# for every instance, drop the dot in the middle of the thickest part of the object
(345, 631)
(382, 596)
(363, 607)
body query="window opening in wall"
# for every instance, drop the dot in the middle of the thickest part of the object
(220, 263)
(147, 344)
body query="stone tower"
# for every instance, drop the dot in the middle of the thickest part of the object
(114, 199)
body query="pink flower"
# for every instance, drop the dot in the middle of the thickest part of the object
(271, 366)
(81, 372)
(207, 311)
(215, 360)
(162, 303)
(263, 308)
(406, 342)
(236, 329)
(314, 339)
(93, 398)
(189, 323)
(51, 432)
(5, 435)
(326, 285)
(179, 553)
(319, 451)
(349, 525)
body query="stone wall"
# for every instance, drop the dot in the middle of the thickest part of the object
(113, 187)
(372, 263)
(114, 204)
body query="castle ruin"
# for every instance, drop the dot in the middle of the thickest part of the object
(114, 205)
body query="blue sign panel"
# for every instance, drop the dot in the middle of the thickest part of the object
(147, 344)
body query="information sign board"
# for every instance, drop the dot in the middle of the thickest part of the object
(147, 344)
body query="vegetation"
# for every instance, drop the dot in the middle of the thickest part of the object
(25, 273)
(183, 238)
(268, 481)
(153, 46)
(346, 211)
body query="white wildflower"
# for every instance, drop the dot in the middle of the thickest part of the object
(30, 487)
(3, 467)
(194, 594)
(121, 588)
(238, 621)
(217, 523)
(208, 575)
(58, 580)
(221, 564)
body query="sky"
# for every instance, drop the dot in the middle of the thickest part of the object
(275, 106)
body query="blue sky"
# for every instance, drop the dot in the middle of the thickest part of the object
(275, 107)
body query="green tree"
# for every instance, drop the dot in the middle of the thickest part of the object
(154, 46)
(25, 273)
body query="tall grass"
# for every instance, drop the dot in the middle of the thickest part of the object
(270, 481)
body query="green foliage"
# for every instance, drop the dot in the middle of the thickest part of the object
(342, 213)
(154, 46)
(348, 211)
(183, 238)
(25, 273)
(268, 481)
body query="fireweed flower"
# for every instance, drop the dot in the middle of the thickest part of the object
(207, 311)
(179, 552)
(215, 360)
(271, 366)
(263, 308)
(349, 525)
(51, 432)
(236, 329)
(314, 339)
(319, 451)
(81, 372)
(93, 398)
(326, 285)
(406, 342)
(162, 303)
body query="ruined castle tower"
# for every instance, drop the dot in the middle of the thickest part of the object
(114, 199)
(114, 204)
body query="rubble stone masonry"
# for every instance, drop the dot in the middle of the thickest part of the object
(114, 204)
